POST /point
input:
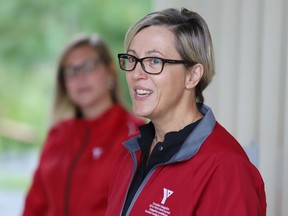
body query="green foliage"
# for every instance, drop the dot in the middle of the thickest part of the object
(32, 35)
(15, 183)
(33, 31)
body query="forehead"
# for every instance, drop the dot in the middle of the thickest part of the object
(153, 38)
(79, 54)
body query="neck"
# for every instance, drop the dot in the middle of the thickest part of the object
(175, 121)
(93, 111)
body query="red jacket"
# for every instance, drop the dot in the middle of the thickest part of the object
(76, 163)
(209, 176)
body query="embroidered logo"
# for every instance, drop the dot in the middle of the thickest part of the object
(166, 193)
(157, 209)
(97, 152)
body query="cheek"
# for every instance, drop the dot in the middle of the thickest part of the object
(99, 80)
(171, 89)
(129, 80)
(70, 86)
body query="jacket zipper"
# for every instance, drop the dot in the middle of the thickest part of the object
(143, 185)
(71, 170)
(140, 188)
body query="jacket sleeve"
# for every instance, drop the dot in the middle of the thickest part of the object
(235, 188)
(35, 203)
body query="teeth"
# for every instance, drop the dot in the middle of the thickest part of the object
(142, 92)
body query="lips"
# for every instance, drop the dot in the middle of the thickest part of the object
(141, 92)
(83, 90)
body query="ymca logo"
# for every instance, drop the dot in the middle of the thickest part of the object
(166, 193)
(157, 209)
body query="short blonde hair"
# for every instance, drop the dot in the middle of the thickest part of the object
(194, 43)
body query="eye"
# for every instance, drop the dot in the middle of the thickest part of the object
(69, 71)
(155, 61)
(130, 59)
(90, 65)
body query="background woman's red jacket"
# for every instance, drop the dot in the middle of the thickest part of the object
(76, 163)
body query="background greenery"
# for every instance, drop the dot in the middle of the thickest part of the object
(32, 35)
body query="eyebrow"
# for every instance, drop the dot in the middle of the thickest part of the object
(149, 52)
(155, 51)
(131, 51)
(82, 63)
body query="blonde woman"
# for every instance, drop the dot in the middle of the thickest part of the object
(183, 162)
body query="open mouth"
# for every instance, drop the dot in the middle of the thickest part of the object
(143, 92)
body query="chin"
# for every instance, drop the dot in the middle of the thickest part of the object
(141, 111)
(84, 103)
(138, 112)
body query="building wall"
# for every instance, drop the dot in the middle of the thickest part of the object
(249, 94)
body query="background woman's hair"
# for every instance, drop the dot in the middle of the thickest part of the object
(194, 43)
(63, 107)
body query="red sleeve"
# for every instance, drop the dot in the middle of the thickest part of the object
(235, 188)
(36, 202)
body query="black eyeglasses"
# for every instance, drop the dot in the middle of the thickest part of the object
(87, 67)
(151, 65)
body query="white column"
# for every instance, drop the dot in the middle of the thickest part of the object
(285, 145)
(248, 72)
(227, 64)
(284, 187)
(270, 103)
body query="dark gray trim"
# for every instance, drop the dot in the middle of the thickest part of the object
(195, 140)
(132, 144)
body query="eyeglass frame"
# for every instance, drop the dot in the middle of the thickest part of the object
(164, 61)
(81, 68)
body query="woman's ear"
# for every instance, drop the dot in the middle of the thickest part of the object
(193, 76)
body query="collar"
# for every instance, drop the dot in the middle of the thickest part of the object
(191, 144)
(163, 151)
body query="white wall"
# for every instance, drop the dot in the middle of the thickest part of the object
(249, 94)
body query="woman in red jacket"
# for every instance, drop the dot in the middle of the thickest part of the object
(82, 147)
(183, 162)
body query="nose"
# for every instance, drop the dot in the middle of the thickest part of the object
(80, 75)
(138, 71)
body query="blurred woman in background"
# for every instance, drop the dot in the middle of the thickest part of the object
(89, 126)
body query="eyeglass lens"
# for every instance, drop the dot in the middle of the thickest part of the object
(87, 67)
(148, 64)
